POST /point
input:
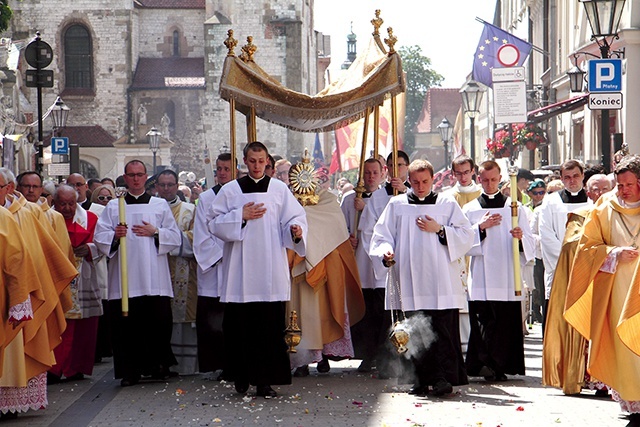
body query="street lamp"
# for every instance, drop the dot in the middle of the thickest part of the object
(59, 113)
(576, 78)
(445, 130)
(153, 136)
(604, 18)
(471, 94)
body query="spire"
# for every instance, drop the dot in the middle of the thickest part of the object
(351, 49)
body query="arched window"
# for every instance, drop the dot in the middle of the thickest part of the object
(176, 43)
(78, 58)
(88, 170)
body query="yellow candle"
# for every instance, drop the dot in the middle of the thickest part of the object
(124, 279)
(515, 243)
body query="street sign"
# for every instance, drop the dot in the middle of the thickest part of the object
(42, 78)
(59, 169)
(38, 53)
(510, 102)
(60, 145)
(605, 101)
(605, 75)
(507, 74)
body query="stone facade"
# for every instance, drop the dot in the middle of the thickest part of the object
(122, 33)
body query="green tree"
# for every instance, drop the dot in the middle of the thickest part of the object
(5, 15)
(420, 77)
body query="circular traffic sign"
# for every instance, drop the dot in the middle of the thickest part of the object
(508, 55)
(38, 54)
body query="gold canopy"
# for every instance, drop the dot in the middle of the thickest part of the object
(340, 104)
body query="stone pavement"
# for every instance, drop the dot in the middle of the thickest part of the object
(342, 397)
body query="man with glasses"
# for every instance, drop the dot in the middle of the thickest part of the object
(183, 269)
(465, 189)
(30, 185)
(142, 340)
(207, 249)
(76, 180)
(282, 170)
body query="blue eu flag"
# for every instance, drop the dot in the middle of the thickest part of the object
(497, 49)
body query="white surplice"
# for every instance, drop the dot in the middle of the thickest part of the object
(370, 216)
(365, 267)
(428, 271)
(207, 248)
(148, 268)
(552, 226)
(491, 277)
(254, 262)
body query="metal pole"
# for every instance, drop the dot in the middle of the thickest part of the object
(472, 138)
(154, 163)
(606, 140)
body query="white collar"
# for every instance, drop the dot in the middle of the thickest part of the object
(491, 196)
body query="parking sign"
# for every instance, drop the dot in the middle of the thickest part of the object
(605, 75)
(60, 145)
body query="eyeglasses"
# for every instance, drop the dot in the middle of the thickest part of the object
(268, 167)
(136, 175)
(45, 194)
(2, 186)
(30, 187)
(80, 184)
(103, 198)
(462, 173)
(165, 185)
(538, 193)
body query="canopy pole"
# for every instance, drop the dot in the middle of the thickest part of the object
(252, 134)
(363, 156)
(232, 136)
(376, 131)
(394, 135)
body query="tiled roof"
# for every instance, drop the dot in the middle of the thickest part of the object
(170, 4)
(438, 104)
(169, 73)
(86, 136)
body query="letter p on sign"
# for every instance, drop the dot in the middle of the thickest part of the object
(605, 75)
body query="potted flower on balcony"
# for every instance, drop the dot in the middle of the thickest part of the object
(501, 145)
(530, 136)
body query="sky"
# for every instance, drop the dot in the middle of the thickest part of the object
(447, 32)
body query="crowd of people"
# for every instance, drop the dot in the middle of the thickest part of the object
(217, 272)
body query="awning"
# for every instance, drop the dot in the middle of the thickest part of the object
(545, 113)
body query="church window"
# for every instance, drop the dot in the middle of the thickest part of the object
(78, 58)
(176, 43)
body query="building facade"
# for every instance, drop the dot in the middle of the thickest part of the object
(125, 66)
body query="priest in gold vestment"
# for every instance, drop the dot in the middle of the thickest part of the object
(603, 297)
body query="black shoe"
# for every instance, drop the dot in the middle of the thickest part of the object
(634, 420)
(602, 393)
(441, 388)
(323, 366)
(301, 371)
(8, 416)
(418, 390)
(129, 381)
(265, 391)
(496, 377)
(53, 378)
(75, 377)
(365, 366)
(241, 386)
